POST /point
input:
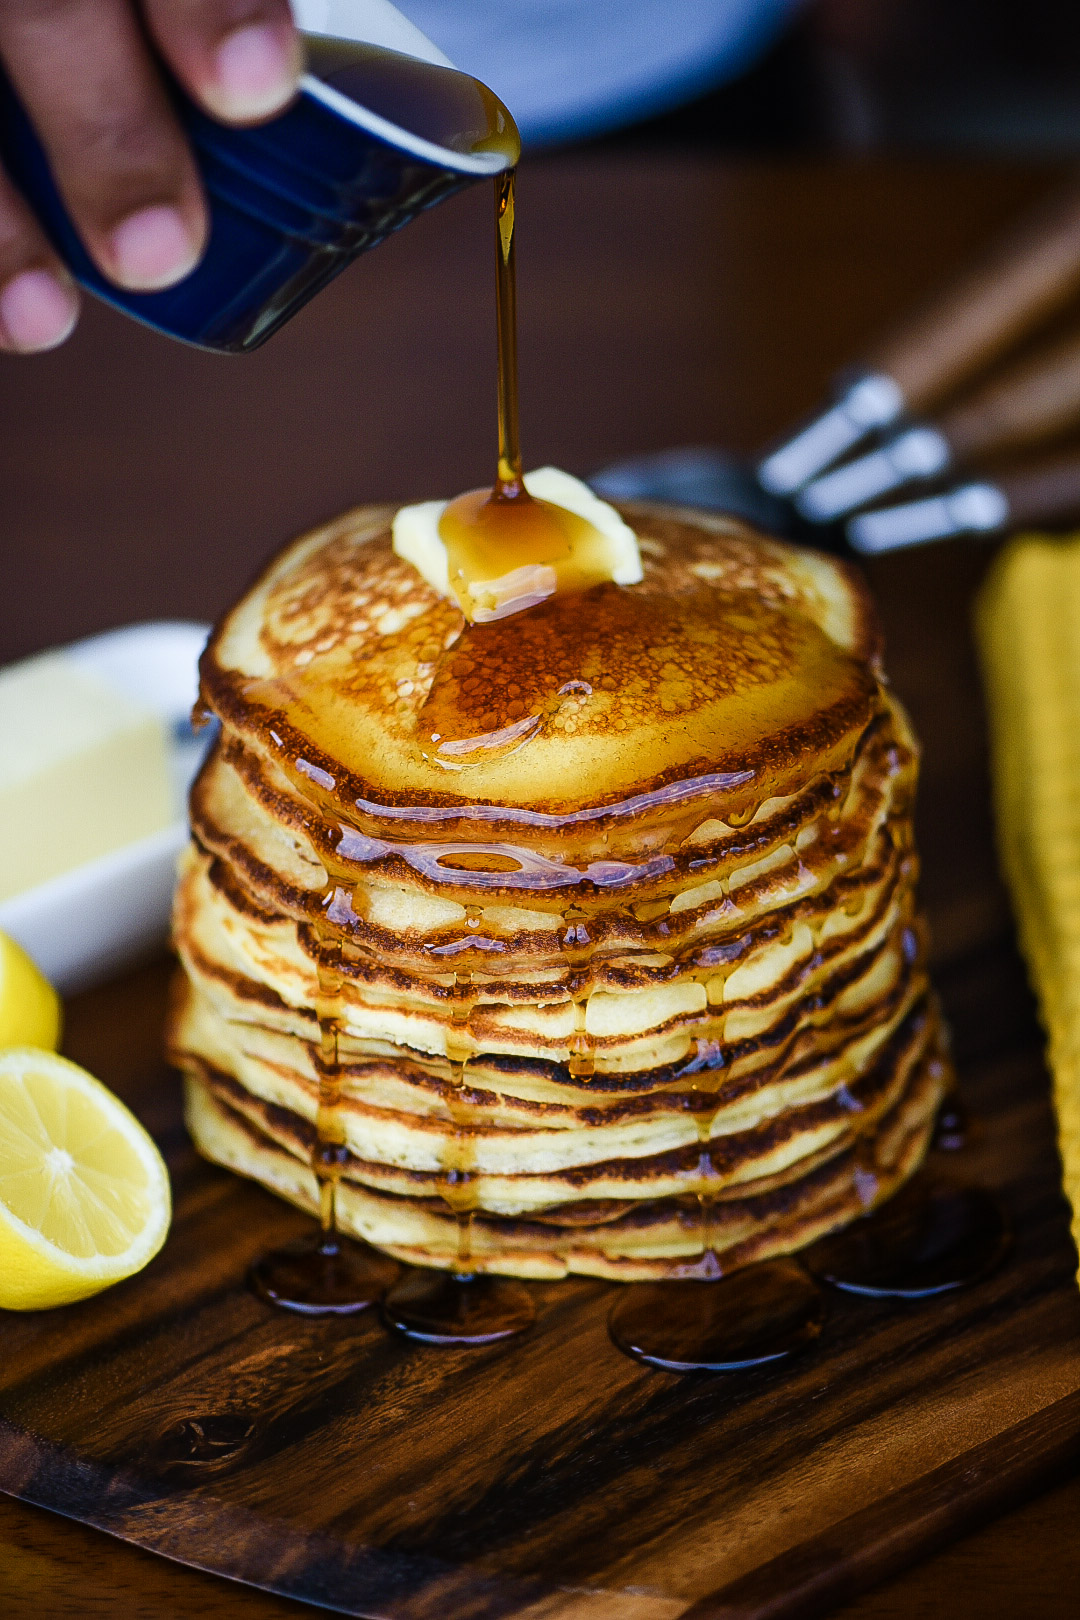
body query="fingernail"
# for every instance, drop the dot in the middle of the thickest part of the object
(153, 248)
(255, 72)
(37, 310)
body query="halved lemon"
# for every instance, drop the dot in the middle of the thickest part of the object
(84, 1193)
(29, 1006)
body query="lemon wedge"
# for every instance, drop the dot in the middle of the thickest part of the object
(29, 1006)
(84, 1193)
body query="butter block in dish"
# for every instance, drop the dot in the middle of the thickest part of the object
(83, 770)
(96, 754)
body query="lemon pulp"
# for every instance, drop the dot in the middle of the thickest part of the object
(84, 1194)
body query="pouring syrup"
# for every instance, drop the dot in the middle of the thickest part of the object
(327, 1273)
(487, 534)
(508, 551)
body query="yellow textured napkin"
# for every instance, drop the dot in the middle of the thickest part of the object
(1028, 631)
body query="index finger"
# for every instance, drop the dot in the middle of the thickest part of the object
(84, 73)
(242, 59)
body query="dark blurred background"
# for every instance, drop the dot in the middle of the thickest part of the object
(867, 76)
(695, 277)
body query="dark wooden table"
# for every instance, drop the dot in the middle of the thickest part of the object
(665, 300)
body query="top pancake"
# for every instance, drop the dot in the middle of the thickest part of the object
(738, 669)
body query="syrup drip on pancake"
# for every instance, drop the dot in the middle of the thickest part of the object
(706, 1196)
(458, 1190)
(453, 110)
(327, 1274)
(486, 535)
(714, 664)
(464, 1307)
(576, 951)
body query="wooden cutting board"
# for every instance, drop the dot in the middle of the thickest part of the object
(549, 1478)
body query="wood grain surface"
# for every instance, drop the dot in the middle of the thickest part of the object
(552, 1473)
(336, 1463)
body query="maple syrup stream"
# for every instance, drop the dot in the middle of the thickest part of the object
(464, 1306)
(508, 481)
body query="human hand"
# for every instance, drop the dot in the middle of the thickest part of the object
(85, 72)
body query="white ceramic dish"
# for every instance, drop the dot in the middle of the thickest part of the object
(89, 923)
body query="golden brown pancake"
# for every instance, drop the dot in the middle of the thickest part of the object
(618, 894)
(732, 665)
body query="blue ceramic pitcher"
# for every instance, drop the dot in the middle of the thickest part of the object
(373, 138)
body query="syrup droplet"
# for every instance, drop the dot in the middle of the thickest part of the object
(931, 1238)
(318, 1276)
(763, 1313)
(439, 1307)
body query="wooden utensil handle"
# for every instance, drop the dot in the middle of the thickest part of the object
(1043, 494)
(1031, 272)
(1030, 402)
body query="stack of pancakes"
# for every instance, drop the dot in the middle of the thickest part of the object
(609, 907)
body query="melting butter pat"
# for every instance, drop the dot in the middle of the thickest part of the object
(83, 770)
(613, 551)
